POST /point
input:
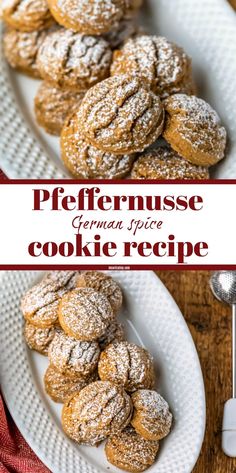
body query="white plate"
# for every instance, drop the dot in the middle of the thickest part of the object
(205, 28)
(151, 318)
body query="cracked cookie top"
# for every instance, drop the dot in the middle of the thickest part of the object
(52, 106)
(74, 61)
(87, 16)
(61, 387)
(99, 410)
(87, 162)
(85, 314)
(161, 64)
(127, 364)
(103, 283)
(165, 163)
(38, 338)
(73, 357)
(120, 115)
(39, 304)
(131, 452)
(194, 130)
(26, 15)
(151, 418)
(21, 49)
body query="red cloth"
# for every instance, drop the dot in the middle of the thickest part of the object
(3, 177)
(15, 454)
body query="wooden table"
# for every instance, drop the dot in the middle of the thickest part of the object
(210, 324)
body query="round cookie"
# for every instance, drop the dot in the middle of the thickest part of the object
(193, 129)
(162, 66)
(120, 115)
(53, 105)
(103, 283)
(152, 418)
(165, 163)
(21, 49)
(131, 452)
(39, 339)
(87, 162)
(39, 304)
(73, 357)
(61, 387)
(73, 61)
(114, 333)
(85, 314)
(27, 15)
(99, 410)
(127, 364)
(87, 16)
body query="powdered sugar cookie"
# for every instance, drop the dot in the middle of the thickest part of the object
(61, 387)
(152, 418)
(73, 61)
(85, 314)
(131, 452)
(127, 364)
(87, 162)
(103, 283)
(193, 129)
(99, 410)
(39, 339)
(87, 16)
(120, 115)
(26, 15)
(73, 357)
(162, 65)
(165, 163)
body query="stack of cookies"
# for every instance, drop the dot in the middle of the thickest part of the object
(105, 383)
(111, 91)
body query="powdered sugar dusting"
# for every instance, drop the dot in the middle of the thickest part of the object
(85, 313)
(73, 357)
(164, 163)
(127, 364)
(152, 416)
(99, 410)
(120, 115)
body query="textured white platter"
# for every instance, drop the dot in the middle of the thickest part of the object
(151, 318)
(205, 28)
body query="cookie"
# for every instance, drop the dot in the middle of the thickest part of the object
(194, 130)
(39, 339)
(53, 105)
(85, 314)
(90, 17)
(61, 387)
(119, 115)
(73, 357)
(99, 410)
(131, 452)
(152, 418)
(103, 283)
(87, 162)
(27, 15)
(21, 49)
(73, 61)
(40, 303)
(127, 364)
(165, 163)
(162, 65)
(114, 333)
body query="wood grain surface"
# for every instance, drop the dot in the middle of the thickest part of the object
(210, 324)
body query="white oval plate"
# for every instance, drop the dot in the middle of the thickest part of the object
(152, 319)
(205, 28)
